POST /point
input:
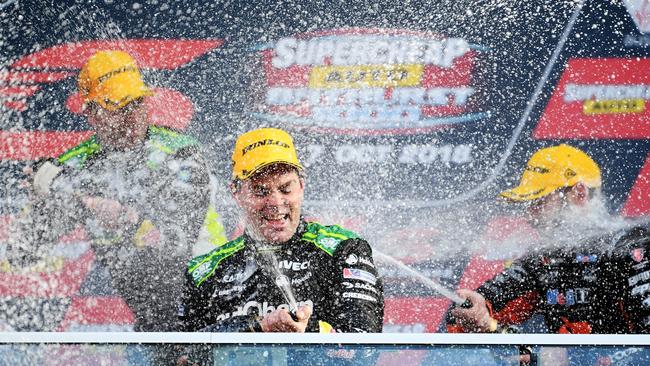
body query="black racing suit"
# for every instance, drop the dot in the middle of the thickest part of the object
(165, 181)
(599, 286)
(326, 267)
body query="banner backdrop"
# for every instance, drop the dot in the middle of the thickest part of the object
(409, 117)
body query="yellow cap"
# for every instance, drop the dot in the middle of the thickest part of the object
(111, 79)
(552, 168)
(262, 147)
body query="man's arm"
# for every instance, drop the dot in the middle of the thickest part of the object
(509, 298)
(356, 295)
(180, 204)
(629, 277)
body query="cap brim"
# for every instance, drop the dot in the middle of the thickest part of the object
(526, 193)
(120, 90)
(267, 164)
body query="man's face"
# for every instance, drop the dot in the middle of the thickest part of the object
(272, 201)
(122, 128)
(545, 211)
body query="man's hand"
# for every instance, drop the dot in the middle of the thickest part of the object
(111, 213)
(477, 318)
(280, 321)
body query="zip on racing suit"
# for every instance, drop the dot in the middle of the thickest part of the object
(601, 286)
(166, 181)
(327, 267)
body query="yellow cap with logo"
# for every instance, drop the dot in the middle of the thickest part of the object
(259, 148)
(111, 79)
(552, 168)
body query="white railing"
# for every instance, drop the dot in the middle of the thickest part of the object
(349, 338)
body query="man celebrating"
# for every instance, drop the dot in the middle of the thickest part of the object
(140, 191)
(284, 274)
(584, 278)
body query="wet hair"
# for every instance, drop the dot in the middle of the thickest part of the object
(236, 184)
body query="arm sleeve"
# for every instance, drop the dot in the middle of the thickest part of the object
(511, 296)
(192, 315)
(630, 278)
(180, 205)
(356, 297)
(36, 230)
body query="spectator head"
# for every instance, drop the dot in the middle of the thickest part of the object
(268, 184)
(113, 94)
(555, 178)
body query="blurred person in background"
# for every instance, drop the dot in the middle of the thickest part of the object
(284, 274)
(141, 192)
(590, 274)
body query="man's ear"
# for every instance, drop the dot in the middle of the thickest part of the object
(578, 194)
(235, 189)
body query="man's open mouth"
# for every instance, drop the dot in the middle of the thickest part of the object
(276, 218)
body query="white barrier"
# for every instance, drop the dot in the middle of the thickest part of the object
(343, 338)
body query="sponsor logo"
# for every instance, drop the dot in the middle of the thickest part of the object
(637, 254)
(234, 289)
(282, 281)
(598, 98)
(366, 261)
(294, 266)
(586, 258)
(640, 290)
(550, 277)
(329, 243)
(644, 276)
(363, 81)
(590, 274)
(297, 281)
(362, 286)
(233, 277)
(254, 307)
(359, 274)
(200, 271)
(352, 259)
(356, 295)
(266, 142)
(568, 298)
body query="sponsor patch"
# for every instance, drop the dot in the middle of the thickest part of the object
(637, 254)
(356, 295)
(352, 259)
(586, 258)
(362, 286)
(329, 243)
(568, 298)
(200, 271)
(359, 274)
(644, 276)
(282, 281)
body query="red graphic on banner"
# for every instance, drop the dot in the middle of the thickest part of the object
(169, 108)
(599, 99)
(603, 99)
(638, 202)
(161, 54)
